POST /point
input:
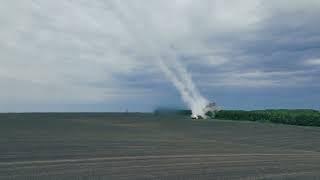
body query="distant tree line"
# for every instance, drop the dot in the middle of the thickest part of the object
(302, 117)
(166, 111)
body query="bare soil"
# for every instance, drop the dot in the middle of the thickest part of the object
(100, 146)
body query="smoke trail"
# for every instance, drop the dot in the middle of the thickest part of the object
(165, 57)
(182, 80)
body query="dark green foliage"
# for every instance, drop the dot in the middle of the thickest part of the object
(210, 114)
(302, 117)
(164, 111)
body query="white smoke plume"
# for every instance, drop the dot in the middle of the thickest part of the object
(163, 54)
(181, 79)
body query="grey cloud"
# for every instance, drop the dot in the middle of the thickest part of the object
(80, 51)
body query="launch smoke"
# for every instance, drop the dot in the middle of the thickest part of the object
(182, 80)
(163, 54)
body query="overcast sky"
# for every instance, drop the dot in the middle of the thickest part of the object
(83, 55)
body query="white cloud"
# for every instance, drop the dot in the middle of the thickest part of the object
(58, 51)
(312, 62)
(73, 43)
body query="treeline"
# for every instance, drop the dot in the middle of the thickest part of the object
(302, 117)
(166, 111)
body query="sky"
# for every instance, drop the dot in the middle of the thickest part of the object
(99, 55)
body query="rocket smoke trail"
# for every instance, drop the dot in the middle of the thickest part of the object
(162, 53)
(181, 79)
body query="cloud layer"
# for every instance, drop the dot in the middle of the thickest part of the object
(83, 56)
